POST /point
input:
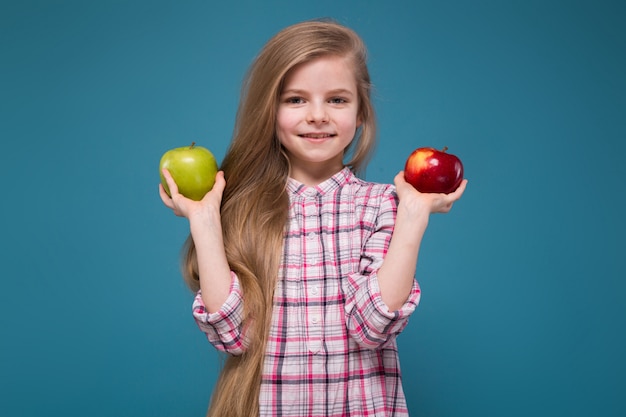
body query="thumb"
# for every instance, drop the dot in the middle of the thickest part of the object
(219, 185)
(399, 179)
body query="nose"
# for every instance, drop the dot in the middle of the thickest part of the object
(317, 114)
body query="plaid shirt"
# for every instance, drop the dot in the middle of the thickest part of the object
(332, 345)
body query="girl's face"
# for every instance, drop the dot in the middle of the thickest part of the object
(318, 117)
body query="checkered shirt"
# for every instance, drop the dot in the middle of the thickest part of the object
(332, 346)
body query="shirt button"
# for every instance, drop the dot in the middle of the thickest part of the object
(315, 319)
(315, 290)
(310, 236)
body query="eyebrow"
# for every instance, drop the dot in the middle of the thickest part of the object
(338, 91)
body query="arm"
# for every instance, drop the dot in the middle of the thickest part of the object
(396, 275)
(383, 293)
(218, 306)
(369, 321)
(206, 230)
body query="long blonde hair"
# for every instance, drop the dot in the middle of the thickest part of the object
(255, 203)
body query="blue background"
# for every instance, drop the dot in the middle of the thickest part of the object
(524, 307)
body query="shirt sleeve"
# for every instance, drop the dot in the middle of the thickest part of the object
(369, 320)
(223, 328)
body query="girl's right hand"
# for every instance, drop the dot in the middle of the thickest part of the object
(206, 231)
(185, 207)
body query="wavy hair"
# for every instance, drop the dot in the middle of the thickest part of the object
(255, 203)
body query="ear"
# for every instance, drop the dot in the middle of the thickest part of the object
(361, 115)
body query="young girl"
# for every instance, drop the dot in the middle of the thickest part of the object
(305, 273)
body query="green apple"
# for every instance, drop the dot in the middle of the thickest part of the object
(193, 168)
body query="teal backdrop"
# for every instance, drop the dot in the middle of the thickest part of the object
(524, 297)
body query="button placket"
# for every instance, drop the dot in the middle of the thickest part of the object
(315, 330)
(312, 270)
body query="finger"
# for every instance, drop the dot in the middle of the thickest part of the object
(218, 188)
(220, 183)
(402, 186)
(171, 184)
(399, 180)
(459, 191)
(448, 200)
(167, 200)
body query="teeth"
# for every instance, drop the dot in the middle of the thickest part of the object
(318, 136)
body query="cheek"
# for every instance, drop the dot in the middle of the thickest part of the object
(351, 122)
(283, 123)
(284, 126)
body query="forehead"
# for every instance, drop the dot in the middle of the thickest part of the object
(329, 71)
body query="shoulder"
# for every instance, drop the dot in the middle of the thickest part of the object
(369, 193)
(370, 188)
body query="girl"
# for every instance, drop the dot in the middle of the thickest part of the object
(305, 273)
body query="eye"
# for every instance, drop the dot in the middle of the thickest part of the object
(294, 100)
(338, 100)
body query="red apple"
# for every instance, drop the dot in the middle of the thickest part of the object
(433, 171)
(193, 169)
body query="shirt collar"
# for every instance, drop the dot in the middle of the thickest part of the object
(341, 178)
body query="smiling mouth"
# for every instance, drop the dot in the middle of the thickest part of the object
(317, 135)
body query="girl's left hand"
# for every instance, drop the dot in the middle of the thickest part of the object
(432, 202)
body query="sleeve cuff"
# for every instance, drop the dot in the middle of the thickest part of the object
(372, 321)
(228, 316)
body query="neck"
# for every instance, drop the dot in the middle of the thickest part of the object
(313, 177)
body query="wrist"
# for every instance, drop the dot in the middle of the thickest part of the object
(413, 218)
(205, 225)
